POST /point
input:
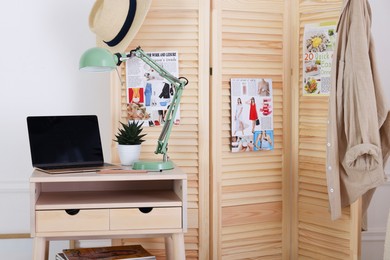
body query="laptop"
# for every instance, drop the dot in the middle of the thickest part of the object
(66, 144)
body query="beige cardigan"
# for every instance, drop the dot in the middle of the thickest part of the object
(359, 119)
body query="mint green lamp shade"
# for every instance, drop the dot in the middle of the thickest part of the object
(97, 60)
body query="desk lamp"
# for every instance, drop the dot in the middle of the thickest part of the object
(99, 60)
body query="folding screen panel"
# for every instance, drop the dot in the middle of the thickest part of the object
(249, 189)
(315, 235)
(182, 26)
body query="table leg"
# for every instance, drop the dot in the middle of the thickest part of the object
(169, 247)
(41, 248)
(174, 247)
(74, 244)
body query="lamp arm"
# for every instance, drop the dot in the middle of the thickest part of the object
(178, 84)
(162, 142)
(139, 53)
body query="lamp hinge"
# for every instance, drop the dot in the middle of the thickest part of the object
(211, 71)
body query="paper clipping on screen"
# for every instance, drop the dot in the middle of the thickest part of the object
(251, 114)
(148, 94)
(318, 46)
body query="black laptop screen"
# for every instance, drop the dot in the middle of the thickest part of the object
(64, 141)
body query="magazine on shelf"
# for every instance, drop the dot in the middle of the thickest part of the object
(106, 253)
(60, 256)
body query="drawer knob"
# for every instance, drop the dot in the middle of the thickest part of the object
(145, 210)
(72, 212)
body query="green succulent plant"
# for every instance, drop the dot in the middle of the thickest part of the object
(130, 134)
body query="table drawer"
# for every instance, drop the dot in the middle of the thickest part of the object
(145, 218)
(72, 220)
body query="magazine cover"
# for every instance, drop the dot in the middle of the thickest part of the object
(148, 94)
(251, 114)
(108, 253)
(318, 47)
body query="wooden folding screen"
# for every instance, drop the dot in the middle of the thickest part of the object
(250, 213)
(177, 25)
(259, 205)
(315, 235)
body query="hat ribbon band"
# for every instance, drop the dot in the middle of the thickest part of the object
(126, 25)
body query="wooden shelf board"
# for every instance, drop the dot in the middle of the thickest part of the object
(107, 199)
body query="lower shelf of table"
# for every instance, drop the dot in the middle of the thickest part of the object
(174, 243)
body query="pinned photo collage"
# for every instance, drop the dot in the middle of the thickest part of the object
(148, 94)
(252, 115)
(318, 46)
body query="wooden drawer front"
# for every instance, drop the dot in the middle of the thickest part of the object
(84, 220)
(133, 218)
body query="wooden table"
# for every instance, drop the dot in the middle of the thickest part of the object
(93, 206)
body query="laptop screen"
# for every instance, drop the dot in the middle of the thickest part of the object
(64, 141)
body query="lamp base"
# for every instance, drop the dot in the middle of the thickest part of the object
(153, 166)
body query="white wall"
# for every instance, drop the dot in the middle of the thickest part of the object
(373, 238)
(40, 45)
(41, 42)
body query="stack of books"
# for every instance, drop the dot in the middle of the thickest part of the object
(106, 253)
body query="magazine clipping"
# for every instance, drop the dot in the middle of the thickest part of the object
(318, 47)
(252, 114)
(148, 94)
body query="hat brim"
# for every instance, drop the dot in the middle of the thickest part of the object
(140, 15)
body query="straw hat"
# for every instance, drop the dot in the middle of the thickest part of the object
(115, 23)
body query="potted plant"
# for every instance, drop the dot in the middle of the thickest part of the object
(129, 139)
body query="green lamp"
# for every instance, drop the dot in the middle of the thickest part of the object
(97, 60)
(100, 60)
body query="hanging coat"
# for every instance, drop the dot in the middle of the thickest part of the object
(359, 121)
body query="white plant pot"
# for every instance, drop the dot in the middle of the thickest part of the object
(128, 154)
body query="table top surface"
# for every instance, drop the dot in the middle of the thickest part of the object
(174, 174)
